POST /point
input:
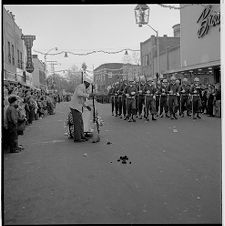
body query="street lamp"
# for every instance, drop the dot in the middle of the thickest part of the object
(45, 56)
(142, 18)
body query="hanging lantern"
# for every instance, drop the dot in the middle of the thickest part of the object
(126, 53)
(141, 14)
(66, 55)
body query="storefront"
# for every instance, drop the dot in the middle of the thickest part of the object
(199, 43)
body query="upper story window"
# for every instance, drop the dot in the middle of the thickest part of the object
(21, 60)
(13, 58)
(18, 58)
(9, 53)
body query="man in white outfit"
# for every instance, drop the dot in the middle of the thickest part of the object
(76, 106)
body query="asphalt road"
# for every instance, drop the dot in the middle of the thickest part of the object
(175, 174)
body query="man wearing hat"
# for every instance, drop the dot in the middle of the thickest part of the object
(12, 124)
(196, 98)
(184, 97)
(112, 98)
(149, 91)
(123, 99)
(116, 94)
(173, 91)
(163, 98)
(131, 91)
(140, 96)
(76, 107)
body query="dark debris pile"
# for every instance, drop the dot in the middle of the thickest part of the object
(123, 159)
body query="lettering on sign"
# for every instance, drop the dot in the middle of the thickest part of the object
(28, 40)
(207, 19)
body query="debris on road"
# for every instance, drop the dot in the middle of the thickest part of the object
(175, 130)
(198, 197)
(124, 159)
(108, 142)
(85, 154)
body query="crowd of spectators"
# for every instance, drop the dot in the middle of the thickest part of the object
(22, 105)
(211, 100)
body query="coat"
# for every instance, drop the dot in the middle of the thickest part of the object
(79, 97)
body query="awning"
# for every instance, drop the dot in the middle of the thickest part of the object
(196, 66)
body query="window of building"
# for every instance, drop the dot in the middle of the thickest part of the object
(13, 59)
(21, 60)
(147, 58)
(18, 58)
(9, 53)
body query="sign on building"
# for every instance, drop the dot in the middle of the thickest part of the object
(28, 40)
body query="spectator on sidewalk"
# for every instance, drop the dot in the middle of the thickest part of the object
(12, 123)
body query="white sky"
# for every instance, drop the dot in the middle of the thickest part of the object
(84, 28)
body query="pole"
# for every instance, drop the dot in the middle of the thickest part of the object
(157, 40)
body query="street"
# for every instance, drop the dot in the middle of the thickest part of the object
(173, 174)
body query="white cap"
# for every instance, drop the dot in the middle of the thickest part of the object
(87, 79)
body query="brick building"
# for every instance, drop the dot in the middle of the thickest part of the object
(107, 74)
(169, 53)
(14, 51)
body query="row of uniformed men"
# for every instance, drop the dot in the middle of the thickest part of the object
(132, 99)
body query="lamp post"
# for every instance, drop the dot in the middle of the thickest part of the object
(45, 57)
(142, 18)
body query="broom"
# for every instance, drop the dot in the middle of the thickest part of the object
(95, 138)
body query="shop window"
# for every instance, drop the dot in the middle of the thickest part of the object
(9, 53)
(148, 62)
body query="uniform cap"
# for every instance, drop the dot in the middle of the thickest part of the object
(196, 79)
(164, 80)
(185, 80)
(87, 79)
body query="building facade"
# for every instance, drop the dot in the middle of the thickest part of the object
(39, 76)
(168, 53)
(14, 51)
(108, 74)
(200, 43)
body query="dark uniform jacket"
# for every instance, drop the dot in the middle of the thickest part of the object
(174, 88)
(196, 90)
(150, 88)
(121, 90)
(163, 90)
(141, 88)
(184, 89)
(129, 89)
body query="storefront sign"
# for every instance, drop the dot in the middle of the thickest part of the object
(207, 19)
(28, 39)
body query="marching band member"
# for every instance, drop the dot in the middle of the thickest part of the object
(140, 97)
(149, 91)
(130, 92)
(173, 90)
(184, 97)
(196, 98)
(163, 98)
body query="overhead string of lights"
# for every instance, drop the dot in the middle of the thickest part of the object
(184, 6)
(88, 53)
